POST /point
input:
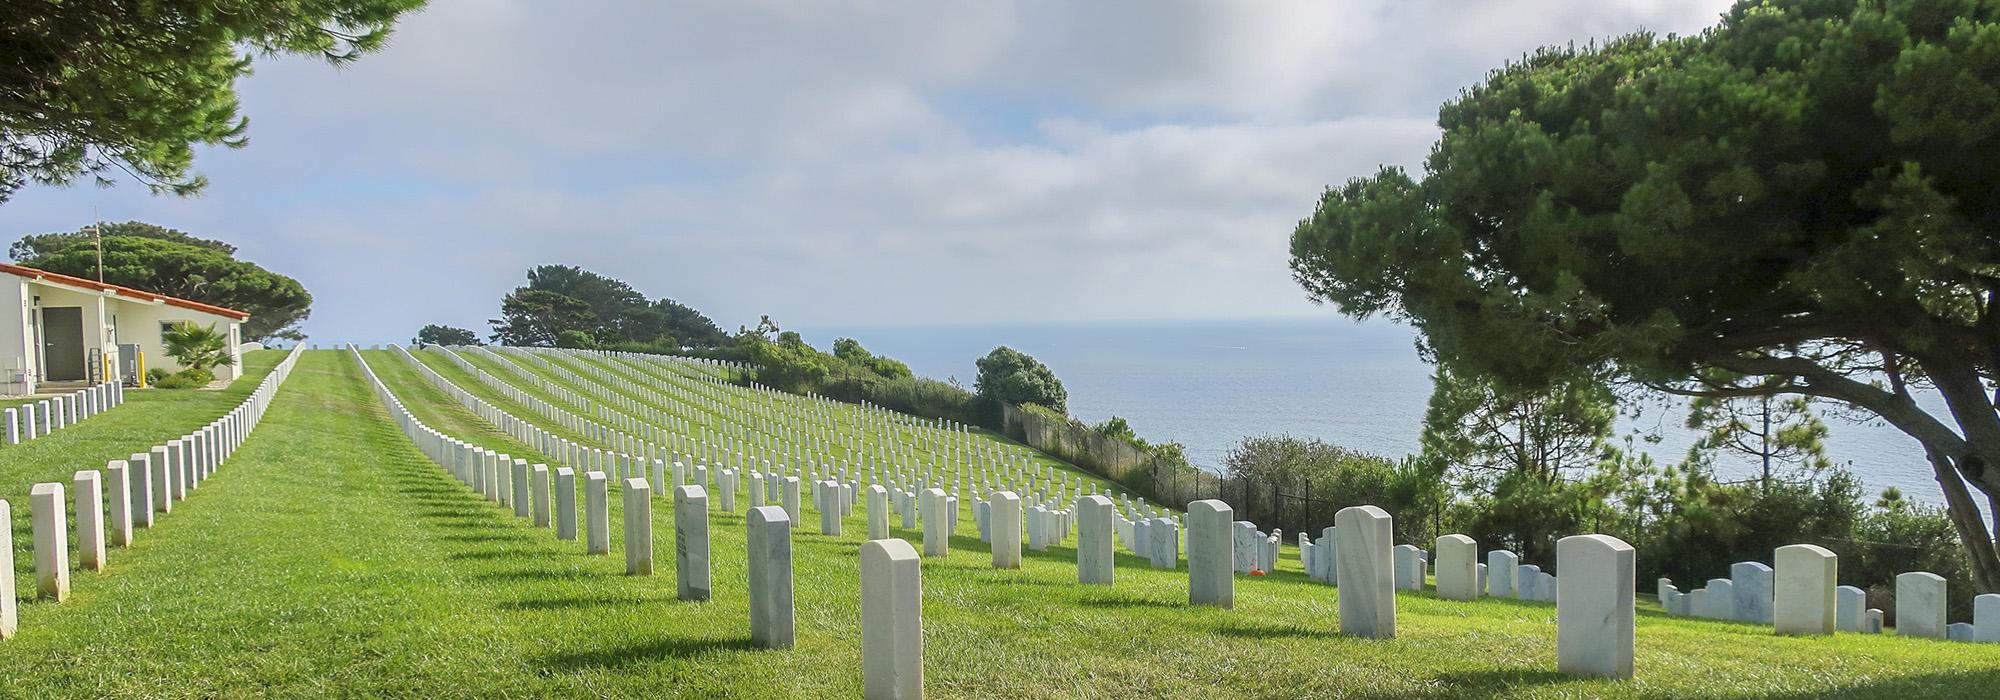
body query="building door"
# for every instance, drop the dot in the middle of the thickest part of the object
(62, 343)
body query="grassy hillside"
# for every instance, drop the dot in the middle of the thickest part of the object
(149, 417)
(330, 558)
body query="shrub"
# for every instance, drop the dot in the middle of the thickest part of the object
(929, 398)
(192, 378)
(1010, 376)
(1899, 536)
(435, 334)
(197, 347)
(1117, 429)
(1333, 477)
(157, 374)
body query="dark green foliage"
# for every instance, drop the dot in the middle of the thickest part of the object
(1481, 431)
(1899, 536)
(850, 373)
(922, 396)
(96, 86)
(850, 351)
(786, 361)
(1798, 201)
(1291, 470)
(1694, 527)
(186, 379)
(576, 339)
(154, 375)
(1781, 433)
(535, 317)
(1116, 427)
(681, 322)
(434, 334)
(165, 261)
(561, 298)
(1009, 376)
(197, 347)
(1532, 465)
(38, 245)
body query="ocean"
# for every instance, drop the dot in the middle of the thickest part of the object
(1361, 385)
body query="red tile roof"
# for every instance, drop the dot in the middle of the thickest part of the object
(66, 280)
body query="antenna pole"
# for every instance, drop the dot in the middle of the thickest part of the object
(97, 237)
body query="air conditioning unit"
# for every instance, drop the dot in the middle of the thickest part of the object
(128, 363)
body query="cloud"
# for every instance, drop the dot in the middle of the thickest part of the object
(849, 163)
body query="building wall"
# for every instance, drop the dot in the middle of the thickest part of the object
(107, 322)
(17, 366)
(96, 321)
(141, 323)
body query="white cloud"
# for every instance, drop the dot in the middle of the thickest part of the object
(839, 163)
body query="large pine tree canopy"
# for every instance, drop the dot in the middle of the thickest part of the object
(92, 88)
(1796, 201)
(165, 261)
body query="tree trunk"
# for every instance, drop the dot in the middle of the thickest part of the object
(1965, 518)
(1977, 461)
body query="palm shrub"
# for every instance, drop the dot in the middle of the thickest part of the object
(198, 347)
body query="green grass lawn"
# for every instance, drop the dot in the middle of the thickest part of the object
(149, 417)
(329, 558)
(846, 413)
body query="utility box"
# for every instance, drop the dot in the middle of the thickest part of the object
(128, 363)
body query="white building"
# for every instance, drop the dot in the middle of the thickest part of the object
(56, 329)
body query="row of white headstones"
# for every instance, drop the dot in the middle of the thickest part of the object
(962, 453)
(1756, 593)
(890, 568)
(140, 489)
(1252, 550)
(990, 470)
(1594, 638)
(643, 443)
(43, 416)
(1160, 539)
(1752, 594)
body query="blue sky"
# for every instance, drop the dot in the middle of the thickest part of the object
(878, 163)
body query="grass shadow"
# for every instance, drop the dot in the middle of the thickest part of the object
(1947, 684)
(488, 555)
(535, 575)
(479, 538)
(1126, 603)
(577, 603)
(1270, 632)
(634, 654)
(1484, 683)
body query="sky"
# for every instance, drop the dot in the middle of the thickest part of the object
(868, 163)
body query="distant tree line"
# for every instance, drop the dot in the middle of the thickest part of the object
(435, 334)
(570, 307)
(1519, 471)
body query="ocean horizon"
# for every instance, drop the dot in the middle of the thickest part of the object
(1208, 384)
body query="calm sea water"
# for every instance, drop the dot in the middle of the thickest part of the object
(1209, 384)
